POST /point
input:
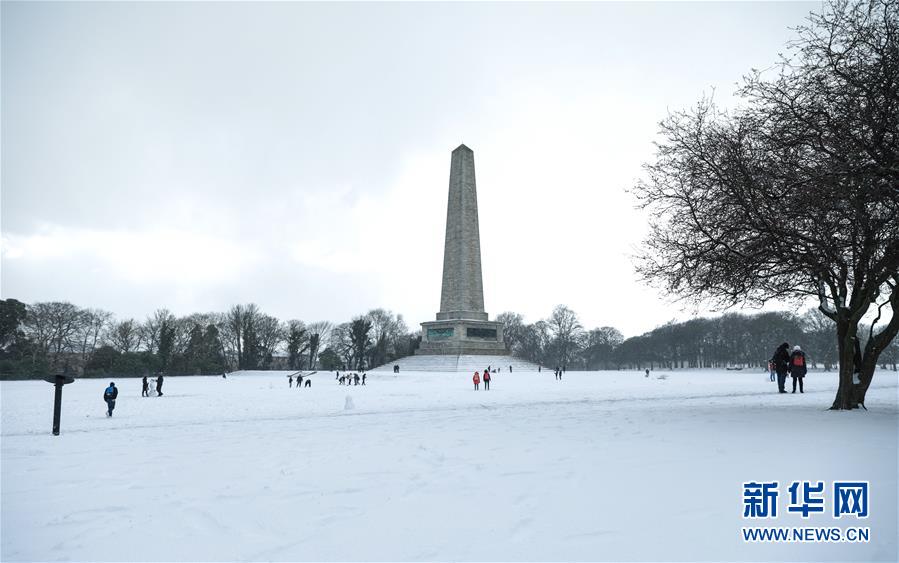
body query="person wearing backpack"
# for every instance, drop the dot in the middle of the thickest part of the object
(110, 396)
(798, 367)
(487, 381)
(781, 361)
(476, 379)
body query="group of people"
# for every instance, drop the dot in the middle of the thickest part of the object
(111, 393)
(350, 378)
(559, 372)
(476, 379)
(299, 380)
(145, 390)
(785, 362)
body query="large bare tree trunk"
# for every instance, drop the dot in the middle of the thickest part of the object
(846, 346)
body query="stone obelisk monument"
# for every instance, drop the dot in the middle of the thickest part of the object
(462, 325)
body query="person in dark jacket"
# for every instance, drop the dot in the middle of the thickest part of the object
(487, 381)
(159, 386)
(145, 388)
(781, 361)
(110, 396)
(798, 368)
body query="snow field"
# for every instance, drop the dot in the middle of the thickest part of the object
(598, 466)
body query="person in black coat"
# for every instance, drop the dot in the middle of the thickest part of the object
(781, 361)
(145, 388)
(109, 395)
(798, 367)
(159, 386)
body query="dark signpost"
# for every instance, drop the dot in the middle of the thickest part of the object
(58, 380)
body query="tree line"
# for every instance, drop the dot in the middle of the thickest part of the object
(733, 340)
(46, 337)
(42, 338)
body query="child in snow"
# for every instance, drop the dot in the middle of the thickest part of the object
(797, 367)
(487, 381)
(477, 380)
(110, 396)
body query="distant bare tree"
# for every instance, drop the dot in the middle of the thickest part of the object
(91, 327)
(151, 329)
(297, 343)
(271, 335)
(567, 333)
(599, 347)
(319, 339)
(124, 336)
(53, 326)
(360, 329)
(513, 330)
(341, 342)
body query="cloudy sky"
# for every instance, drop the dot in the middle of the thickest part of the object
(197, 155)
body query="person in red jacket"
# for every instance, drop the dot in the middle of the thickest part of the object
(476, 379)
(797, 367)
(487, 381)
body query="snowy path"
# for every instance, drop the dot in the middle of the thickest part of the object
(598, 466)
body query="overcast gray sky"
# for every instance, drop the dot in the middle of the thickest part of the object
(296, 155)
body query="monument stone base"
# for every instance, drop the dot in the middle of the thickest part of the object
(462, 336)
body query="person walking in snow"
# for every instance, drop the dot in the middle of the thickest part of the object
(477, 380)
(145, 388)
(363, 378)
(486, 381)
(299, 380)
(159, 386)
(109, 395)
(797, 367)
(781, 361)
(355, 379)
(771, 370)
(290, 381)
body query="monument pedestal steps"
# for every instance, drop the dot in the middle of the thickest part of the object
(458, 364)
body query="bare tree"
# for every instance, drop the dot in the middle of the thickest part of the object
(151, 329)
(124, 336)
(513, 330)
(52, 326)
(319, 339)
(566, 332)
(271, 335)
(298, 342)
(360, 329)
(599, 346)
(91, 326)
(793, 196)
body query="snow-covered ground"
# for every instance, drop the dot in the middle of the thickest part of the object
(598, 466)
